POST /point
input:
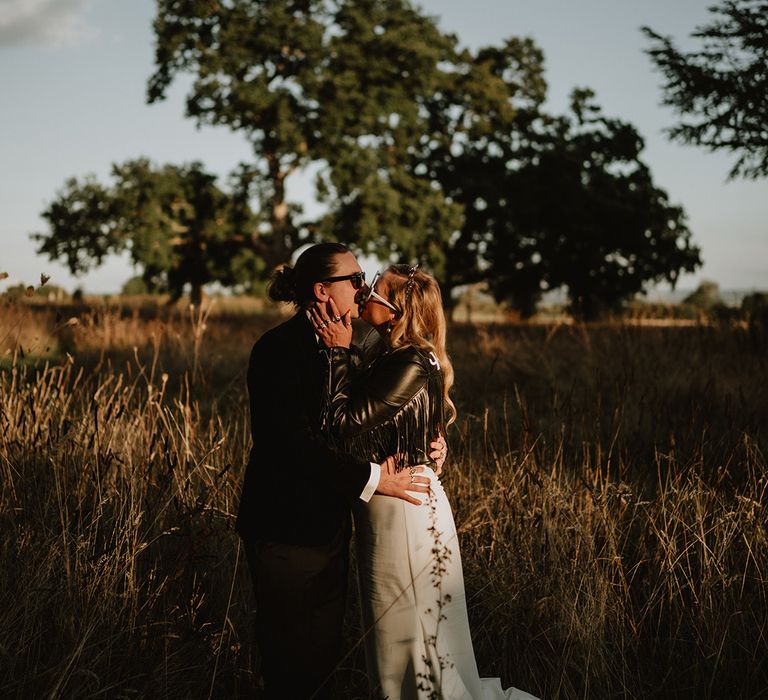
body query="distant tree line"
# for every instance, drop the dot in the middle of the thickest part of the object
(424, 151)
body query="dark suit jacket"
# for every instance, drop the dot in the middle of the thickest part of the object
(297, 489)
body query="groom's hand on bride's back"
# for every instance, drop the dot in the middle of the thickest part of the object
(398, 483)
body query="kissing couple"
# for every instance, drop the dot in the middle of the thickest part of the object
(332, 436)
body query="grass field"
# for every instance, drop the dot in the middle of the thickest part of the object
(608, 481)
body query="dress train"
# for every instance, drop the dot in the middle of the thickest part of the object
(418, 644)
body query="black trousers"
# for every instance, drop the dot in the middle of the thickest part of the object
(301, 595)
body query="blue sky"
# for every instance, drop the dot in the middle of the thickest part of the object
(73, 79)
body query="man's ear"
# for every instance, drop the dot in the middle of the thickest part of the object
(321, 292)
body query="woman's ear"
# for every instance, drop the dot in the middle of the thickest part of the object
(321, 292)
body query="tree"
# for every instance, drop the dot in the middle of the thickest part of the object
(705, 296)
(176, 224)
(582, 211)
(135, 286)
(721, 90)
(386, 60)
(437, 166)
(336, 84)
(754, 308)
(424, 151)
(479, 127)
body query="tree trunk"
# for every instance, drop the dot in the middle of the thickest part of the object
(283, 231)
(196, 297)
(449, 303)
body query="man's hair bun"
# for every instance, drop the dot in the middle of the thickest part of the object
(315, 264)
(282, 286)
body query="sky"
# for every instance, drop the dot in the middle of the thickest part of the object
(73, 77)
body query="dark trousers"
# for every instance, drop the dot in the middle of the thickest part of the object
(300, 599)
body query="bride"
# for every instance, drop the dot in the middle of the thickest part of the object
(418, 643)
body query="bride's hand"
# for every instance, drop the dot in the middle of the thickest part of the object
(335, 330)
(439, 452)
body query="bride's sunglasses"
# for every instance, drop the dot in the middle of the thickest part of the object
(377, 298)
(356, 279)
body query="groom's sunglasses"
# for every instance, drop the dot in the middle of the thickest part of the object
(357, 279)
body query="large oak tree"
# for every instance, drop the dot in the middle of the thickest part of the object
(336, 84)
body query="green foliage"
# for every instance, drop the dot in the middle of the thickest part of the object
(427, 152)
(135, 286)
(340, 84)
(755, 303)
(723, 314)
(387, 62)
(719, 90)
(174, 221)
(582, 211)
(83, 219)
(48, 291)
(257, 68)
(479, 133)
(754, 308)
(16, 291)
(705, 296)
(409, 194)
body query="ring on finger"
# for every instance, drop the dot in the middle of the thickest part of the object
(336, 319)
(412, 471)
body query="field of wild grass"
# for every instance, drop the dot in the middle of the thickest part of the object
(609, 484)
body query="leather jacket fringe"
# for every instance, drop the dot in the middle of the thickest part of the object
(394, 406)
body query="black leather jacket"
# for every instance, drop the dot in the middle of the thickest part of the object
(394, 406)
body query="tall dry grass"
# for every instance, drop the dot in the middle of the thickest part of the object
(608, 482)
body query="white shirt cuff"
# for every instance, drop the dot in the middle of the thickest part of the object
(373, 483)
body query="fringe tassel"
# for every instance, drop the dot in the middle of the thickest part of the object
(408, 433)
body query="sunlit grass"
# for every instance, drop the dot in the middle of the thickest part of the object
(609, 485)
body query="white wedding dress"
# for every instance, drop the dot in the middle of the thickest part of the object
(418, 643)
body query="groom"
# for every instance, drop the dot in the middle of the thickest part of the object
(294, 515)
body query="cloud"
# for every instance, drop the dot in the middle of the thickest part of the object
(46, 22)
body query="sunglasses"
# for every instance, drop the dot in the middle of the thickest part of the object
(377, 298)
(357, 279)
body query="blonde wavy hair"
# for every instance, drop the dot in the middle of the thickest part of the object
(421, 322)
